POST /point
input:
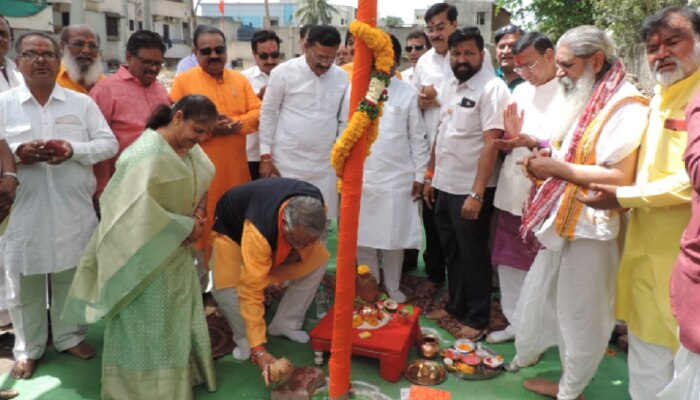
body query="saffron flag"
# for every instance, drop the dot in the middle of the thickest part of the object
(221, 7)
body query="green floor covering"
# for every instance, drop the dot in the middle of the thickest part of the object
(62, 377)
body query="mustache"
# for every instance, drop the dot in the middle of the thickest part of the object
(662, 61)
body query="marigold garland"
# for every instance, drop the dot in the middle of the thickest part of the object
(369, 111)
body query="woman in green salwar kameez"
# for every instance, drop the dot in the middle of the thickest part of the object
(137, 271)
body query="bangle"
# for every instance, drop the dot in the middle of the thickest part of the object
(255, 353)
(476, 197)
(266, 157)
(12, 174)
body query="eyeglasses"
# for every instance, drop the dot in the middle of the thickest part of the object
(418, 47)
(317, 58)
(525, 68)
(32, 56)
(206, 51)
(275, 55)
(79, 44)
(437, 28)
(506, 30)
(151, 63)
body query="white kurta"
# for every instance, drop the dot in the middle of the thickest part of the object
(301, 116)
(407, 75)
(620, 136)
(389, 218)
(14, 77)
(513, 186)
(257, 80)
(53, 216)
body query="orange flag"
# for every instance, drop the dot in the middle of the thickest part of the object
(221, 7)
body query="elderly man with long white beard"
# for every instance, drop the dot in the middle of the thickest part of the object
(393, 181)
(660, 202)
(601, 125)
(81, 65)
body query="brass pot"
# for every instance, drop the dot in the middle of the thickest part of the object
(429, 346)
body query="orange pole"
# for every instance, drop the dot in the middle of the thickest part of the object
(341, 348)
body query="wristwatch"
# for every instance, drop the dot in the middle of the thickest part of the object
(476, 197)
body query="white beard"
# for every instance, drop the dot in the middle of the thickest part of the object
(684, 68)
(570, 100)
(89, 77)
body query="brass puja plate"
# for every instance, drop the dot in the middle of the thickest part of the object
(425, 373)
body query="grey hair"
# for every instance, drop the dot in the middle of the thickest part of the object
(586, 40)
(306, 212)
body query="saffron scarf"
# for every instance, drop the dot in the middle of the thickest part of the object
(581, 151)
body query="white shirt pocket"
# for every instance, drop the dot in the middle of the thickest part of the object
(466, 120)
(69, 128)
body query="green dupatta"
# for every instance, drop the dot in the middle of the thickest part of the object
(146, 209)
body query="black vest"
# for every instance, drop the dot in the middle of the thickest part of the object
(259, 201)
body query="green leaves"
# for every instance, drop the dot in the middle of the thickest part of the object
(315, 12)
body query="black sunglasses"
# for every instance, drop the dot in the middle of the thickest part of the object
(506, 30)
(418, 47)
(207, 50)
(265, 56)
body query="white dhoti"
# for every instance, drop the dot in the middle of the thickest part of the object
(27, 303)
(579, 283)
(686, 382)
(291, 310)
(4, 311)
(650, 368)
(391, 262)
(511, 281)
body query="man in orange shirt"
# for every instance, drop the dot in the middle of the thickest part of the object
(81, 65)
(239, 113)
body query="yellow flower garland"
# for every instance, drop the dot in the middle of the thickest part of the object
(383, 51)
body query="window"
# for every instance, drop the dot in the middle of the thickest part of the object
(65, 18)
(166, 32)
(112, 27)
(274, 22)
(131, 24)
(140, 25)
(481, 18)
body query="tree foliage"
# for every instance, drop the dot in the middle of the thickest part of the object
(315, 12)
(392, 21)
(622, 17)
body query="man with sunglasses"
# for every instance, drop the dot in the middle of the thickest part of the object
(239, 113)
(129, 97)
(505, 41)
(57, 135)
(526, 123)
(266, 52)
(81, 66)
(417, 44)
(265, 233)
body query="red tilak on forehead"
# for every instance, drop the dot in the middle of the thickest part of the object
(518, 59)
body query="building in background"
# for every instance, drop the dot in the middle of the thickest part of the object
(483, 14)
(282, 13)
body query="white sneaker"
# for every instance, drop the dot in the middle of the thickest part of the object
(503, 336)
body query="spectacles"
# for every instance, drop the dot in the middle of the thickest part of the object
(151, 63)
(437, 28)
(524, 68)
(93, 47)
(418, 47)
(327, 60)
(506, 30)
(206, 51)
(275, 55)
(32, 56)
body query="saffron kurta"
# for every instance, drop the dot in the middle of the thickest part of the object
(660, 202)
(234, 97)
(136, 273)
(64, 80)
